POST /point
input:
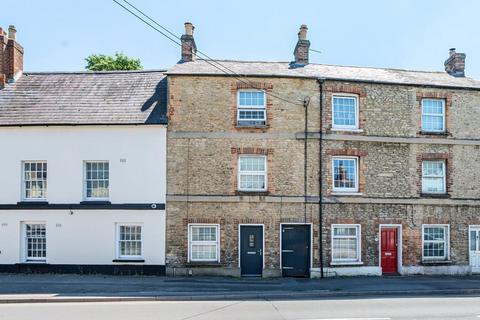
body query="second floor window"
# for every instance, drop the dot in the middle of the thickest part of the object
(345, 112)
(345, 174)
(96, 180)
(433, 115)
(252, 173)
(433, 176)
(251, 108)
(34, 180)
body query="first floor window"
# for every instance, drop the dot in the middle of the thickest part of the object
(435, 242)
(251, 108)
(35, 241)
(204, 244)
(129, 241)
(345, 174)
(433, 115)
(433, 176)
(96, 180)
(34, 180)
(345, 112)
(252, 173)
(346, 243)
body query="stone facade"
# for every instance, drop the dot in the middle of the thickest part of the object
(204, 143)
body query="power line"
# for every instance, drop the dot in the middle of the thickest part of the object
(207, 58)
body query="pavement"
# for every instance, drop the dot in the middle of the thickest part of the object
(29, 288)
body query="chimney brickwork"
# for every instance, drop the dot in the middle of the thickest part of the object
(302, 47)
(11, 56)
(455, 64)
(189, 48)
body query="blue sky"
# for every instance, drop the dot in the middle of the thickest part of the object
(59, 34)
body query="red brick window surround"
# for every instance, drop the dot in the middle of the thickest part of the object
(446, 158)
(348, 91)
(236, 153)
(446, 97)
(360, 167)
(242, 86)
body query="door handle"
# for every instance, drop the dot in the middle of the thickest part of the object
(260, 251)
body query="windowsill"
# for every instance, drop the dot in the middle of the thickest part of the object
(436, 262)
(213, 264)
(348, 194)
(252, 193)
(247, 126)
(435, 195)
(32, 202)
(94, 202)
(124, 260)
(39, 262)
(433, 133)
(347, 130)
(346, 263)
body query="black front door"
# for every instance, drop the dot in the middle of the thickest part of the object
(251, 250)
(296, 250)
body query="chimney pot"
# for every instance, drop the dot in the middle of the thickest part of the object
(189, 28)
(455, 64)
(12, 32)
(302, 34)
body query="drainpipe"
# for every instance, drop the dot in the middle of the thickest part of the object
(320, 200)
(306, 102)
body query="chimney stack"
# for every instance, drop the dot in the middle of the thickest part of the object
(455, 64)
(302, 47)
(189, 48)
(11, 56)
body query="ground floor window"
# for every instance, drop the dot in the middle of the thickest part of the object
(35, 241)
(435, 242)
(345, 243)
(203, 242)
(129, 241)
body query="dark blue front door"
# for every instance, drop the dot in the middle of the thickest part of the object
(296, 250)
(251, 250)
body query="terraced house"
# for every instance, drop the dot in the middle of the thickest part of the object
(302, 169)
(83, 159)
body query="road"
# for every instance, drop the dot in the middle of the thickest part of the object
(334, 309)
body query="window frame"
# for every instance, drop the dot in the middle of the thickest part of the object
(444, 168)
(444, 116)
(118, 247)
(446, 242)
(24, 181)
(191, 242)
(251, 108)
(24, 246)
(354, 127)
(85, 191)
(239, 172)
(357, 166)
(358, 238)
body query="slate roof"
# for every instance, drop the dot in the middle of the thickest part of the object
(80, 98)
(348, 73)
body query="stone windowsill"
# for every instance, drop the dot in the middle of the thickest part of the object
(346, 130)
(252, 193)
(346, 263)
(246, 126)
(435, 195)
(436, 262)
(348, 194)
(205, 264)
(433, 133)
(32, 202)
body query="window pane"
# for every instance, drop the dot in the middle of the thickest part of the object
(252, 164)
(345, 249)
(473, 240)
(433, 176)
(204, 233)
(433, 115)
(204, 252)
(345, 231)
(251, 98)
(345, 173)
(344, 111)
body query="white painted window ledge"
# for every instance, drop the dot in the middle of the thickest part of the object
(346, 129)
(346, 194)
(346, 263)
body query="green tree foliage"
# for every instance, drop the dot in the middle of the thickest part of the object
(101, 62)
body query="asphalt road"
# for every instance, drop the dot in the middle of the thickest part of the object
(339, 309)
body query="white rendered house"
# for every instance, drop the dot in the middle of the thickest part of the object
(83, 182)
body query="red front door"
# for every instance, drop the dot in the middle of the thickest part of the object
(389, 250)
